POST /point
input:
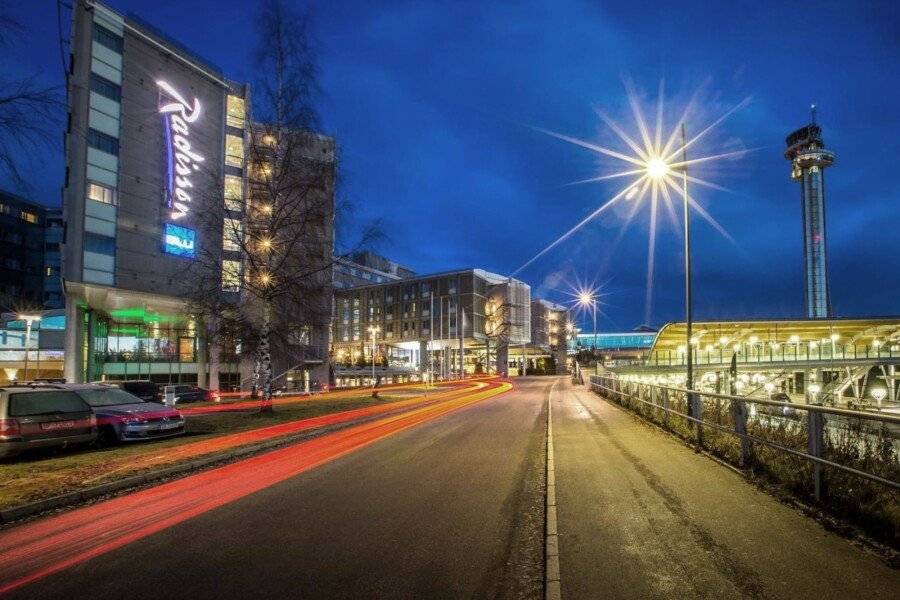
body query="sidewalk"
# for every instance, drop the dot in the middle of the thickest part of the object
(641, 515)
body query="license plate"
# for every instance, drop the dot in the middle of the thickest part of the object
(172, 425)
(58, 425)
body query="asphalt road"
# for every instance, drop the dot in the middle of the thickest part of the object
(450, 508)
(641, 515)
(454, 508)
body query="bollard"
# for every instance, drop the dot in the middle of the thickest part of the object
(739, 416)
(815, 445)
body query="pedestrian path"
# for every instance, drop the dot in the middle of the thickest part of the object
(641, 515)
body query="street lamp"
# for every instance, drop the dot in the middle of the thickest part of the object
(879, 394)
(374, 331)
(588, 298)
(29, 319)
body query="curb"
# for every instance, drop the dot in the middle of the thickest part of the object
(552, 589)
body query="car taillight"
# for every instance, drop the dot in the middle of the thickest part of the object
(9, 427)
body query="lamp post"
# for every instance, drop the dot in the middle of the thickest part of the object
(374, 331)
(688, 303)
(29, 319)
(588, 298)
(879, 394)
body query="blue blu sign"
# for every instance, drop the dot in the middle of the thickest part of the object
(179, 241)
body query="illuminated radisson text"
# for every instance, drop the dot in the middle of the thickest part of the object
(182, 160)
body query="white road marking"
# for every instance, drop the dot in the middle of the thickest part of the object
(552, 589)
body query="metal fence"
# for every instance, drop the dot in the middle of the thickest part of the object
(852, 457)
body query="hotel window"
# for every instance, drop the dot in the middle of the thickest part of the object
(231, 275)
(101, 193)
(28, 216)
(105, 37)
(103, 142)
(234, 193)
(234, 151)
(105, 88)
(100, 244)
(235, 112)
(232, 232)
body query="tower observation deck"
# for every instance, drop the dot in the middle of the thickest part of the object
(809, 158)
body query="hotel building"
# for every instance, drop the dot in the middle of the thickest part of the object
(445, 325)
(156, 143)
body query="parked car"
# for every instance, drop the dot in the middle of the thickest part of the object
(43, 417)
(142, 388)
(123, 417)
(191, 393)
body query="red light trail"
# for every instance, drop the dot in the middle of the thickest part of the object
(35, 550)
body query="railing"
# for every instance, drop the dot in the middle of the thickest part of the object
(786, 352)
(851, 457)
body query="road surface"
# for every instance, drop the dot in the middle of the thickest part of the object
(449, 508)
(452, 506)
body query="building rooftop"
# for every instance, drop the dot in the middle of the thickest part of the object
(860, 331)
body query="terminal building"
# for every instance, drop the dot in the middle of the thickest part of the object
(156, 143)
(832, 360)
(617, 348)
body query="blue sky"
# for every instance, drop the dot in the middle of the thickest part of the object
(434, 106)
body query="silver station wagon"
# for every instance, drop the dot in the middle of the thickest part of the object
(38, 417)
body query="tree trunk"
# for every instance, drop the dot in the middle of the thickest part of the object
(254, 386)
(266, 360)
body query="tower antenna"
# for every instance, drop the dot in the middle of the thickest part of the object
(812, 109)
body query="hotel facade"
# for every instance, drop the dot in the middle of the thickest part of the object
(443, 325)
(157, 142)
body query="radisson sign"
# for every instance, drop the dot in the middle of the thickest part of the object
(181, 160)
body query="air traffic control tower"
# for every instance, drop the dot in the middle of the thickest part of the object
(809, 158)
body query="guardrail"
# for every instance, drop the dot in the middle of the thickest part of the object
(851, 457)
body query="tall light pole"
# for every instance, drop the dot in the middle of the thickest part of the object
(688, 303)
(374, 331)
(29, 319)
(588, 298)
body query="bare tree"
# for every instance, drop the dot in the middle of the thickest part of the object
(268, 284)
(29, 112)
